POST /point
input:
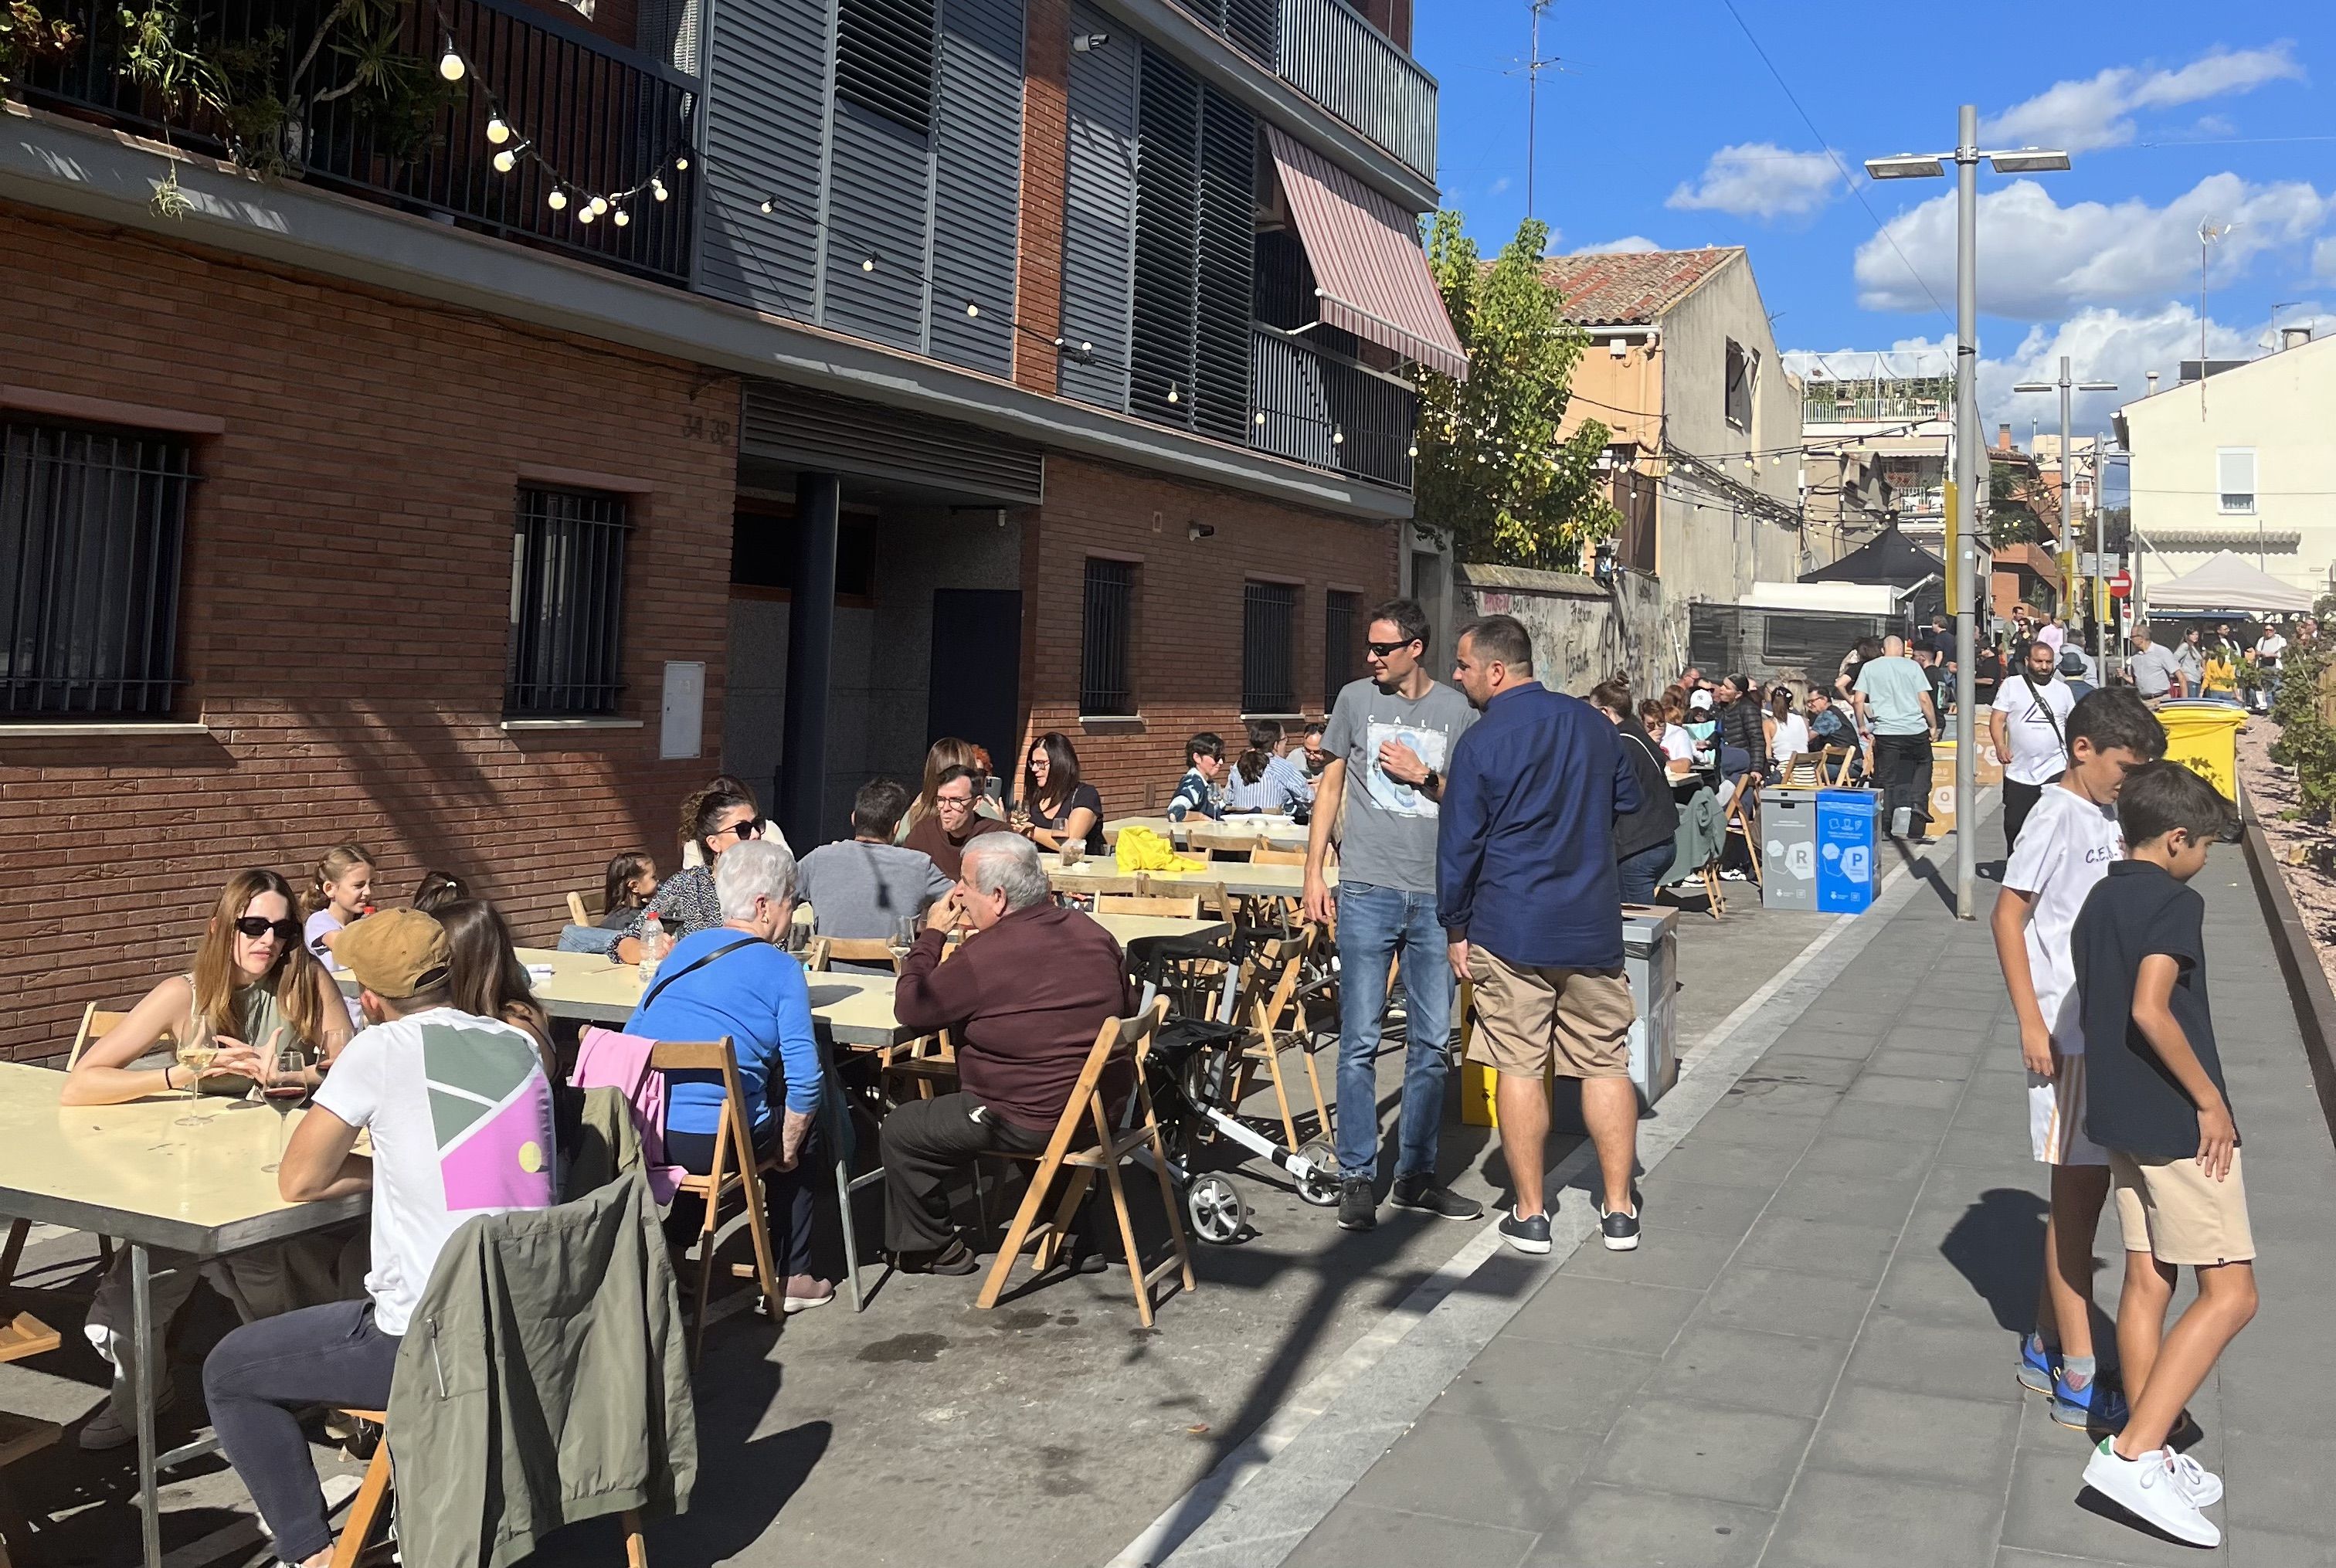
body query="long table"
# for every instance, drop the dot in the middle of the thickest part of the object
(1234, 831)
(133, 1173)
(1238, 877)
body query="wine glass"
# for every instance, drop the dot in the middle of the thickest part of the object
(903, 938)
(285, 1089)
(196, 1053)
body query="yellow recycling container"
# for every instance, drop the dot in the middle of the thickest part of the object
(2205, 736)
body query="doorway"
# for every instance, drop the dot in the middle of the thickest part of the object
(975, 686)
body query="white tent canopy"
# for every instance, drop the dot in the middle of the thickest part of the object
(2227, 584)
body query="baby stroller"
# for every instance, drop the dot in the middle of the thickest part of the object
(1234, 1008)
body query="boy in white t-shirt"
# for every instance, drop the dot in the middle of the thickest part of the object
(2066, 847)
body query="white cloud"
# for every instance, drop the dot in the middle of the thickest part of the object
(1762, 179)
(1629, 244)
(1497, 186)
(2078, 116)
(2040, 261)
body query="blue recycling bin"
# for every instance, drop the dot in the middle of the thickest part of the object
(1848, 870)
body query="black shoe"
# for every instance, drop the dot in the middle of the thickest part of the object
(1526, 1235)
(1357, 1210)
(955, 1258)
(1420, 1191)
(1620, 1229)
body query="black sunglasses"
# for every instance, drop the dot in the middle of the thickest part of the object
(255, 927)
(752, 828)
(1382, 649)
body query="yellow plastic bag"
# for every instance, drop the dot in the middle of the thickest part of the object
(1140, 849)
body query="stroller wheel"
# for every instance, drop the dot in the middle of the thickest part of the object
(1216, 1210)
(1320, 1189)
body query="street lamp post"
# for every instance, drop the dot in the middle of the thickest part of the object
(1970, 458)
(2067, 491)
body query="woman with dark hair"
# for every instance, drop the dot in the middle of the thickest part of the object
(1261, 779)
(714, 818)
(631, 881)
(437, 889)
(487, 978)
(1057, 803)
(730, 784)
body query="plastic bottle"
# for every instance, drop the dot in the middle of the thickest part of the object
(654, 945)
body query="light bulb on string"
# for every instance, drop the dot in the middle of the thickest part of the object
(498, 131)
(681, 163)
(868, 263)
(556, 200)
(971, 309)
(622, 218)
(766, 207)
(584, 215)
(599, 204)
(1414, 450)
(1259, 418)
(450, 64)
(505, 162)
(1172, 391)
(657, 188)
(1337, 436)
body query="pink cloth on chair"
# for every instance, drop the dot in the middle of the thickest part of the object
(606, 1059)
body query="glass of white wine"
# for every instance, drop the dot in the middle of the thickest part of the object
(904, 937)
(196, 1053)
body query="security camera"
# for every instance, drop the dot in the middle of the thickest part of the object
(1199, 531)
(1087, 43)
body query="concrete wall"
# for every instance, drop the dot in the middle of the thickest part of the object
(1582, 633)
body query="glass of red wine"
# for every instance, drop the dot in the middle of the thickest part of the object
(285, 1089)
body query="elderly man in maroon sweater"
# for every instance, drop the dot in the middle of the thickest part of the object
(1024, 996)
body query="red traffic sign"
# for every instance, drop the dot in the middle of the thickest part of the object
(2121, 585)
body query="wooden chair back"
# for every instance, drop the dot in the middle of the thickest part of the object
(1186, 908)
(95, 1025)
(1743, 819)
(1266, 854)
(1833, 764)
(736, 1169)
(581, 910)
(826, 952)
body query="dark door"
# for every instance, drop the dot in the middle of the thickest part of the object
(976, 686)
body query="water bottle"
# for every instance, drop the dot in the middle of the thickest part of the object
(655, 944)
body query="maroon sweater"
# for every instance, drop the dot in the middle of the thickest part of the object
(1024, 999)
(948, 853)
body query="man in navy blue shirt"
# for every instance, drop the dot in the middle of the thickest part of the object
(1528, 896)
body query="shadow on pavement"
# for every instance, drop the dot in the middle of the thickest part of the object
(1998, 1246)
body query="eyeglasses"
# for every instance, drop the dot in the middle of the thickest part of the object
(752, 828)
(1382, 649)
(258, 926)
(962, 803)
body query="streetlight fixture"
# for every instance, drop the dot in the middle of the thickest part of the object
(2065, 387)
(1969, 458)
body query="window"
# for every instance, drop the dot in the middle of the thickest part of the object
(1268, 620)
(92, 520)
(884, 58)
(567, 602)
(1743, 376)
(2234, 478)
(1108, 621)
(1338, 644)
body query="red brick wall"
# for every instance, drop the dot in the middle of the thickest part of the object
(344, 610)
(1045, 134)
(1187, 637)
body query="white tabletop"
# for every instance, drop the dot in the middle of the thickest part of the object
(1241, 830)
(1237, 876)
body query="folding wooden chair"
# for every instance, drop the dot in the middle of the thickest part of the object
(1271, 980)
(586, 907)
(733, 1143)
(1743, 820)
(825, 953)
(1185, 908)
(1265, 854)
(1832, 766)
(1131, 1038)
(369, 1510)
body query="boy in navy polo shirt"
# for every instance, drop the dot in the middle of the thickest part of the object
(2156, 1101)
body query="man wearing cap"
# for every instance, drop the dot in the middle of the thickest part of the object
(460, 1115)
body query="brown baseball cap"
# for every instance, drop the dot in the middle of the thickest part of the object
(395, 953)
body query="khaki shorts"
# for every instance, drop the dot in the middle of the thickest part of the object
(1527, 1018)
(2176, 1212)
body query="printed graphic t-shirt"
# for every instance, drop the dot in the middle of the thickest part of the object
(461, 1118)
(2035, 717)
(2066, 847)
(1390, 834)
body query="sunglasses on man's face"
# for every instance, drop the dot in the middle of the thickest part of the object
(1382, 649)
(256, 926)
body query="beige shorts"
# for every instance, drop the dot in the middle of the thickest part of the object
(1528, 1017)
(2173, 1211)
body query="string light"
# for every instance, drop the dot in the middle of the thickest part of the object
(450, 64)
(584, 215)
(1172, 391)
(622, 218)
(972, 310)
(598, 205)
(681, 163)
(1260, 417)
(504, 161)
(867, 264)
(498, 131)
(557, 199)
(1337, 436)
(657, 189)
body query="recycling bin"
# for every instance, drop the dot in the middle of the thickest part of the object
(1788, 847)
(1847, 868)
(2204, 735)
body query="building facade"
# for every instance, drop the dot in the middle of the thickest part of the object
(769, 387)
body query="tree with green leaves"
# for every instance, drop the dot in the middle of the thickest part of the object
(1491, 472)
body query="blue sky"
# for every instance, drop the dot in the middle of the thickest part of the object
(1663, 127)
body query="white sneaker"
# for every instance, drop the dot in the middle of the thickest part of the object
(115, 1424)
(2200, 1484)
(2150, 1489)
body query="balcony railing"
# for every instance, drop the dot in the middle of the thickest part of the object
(1328, 51)
(585, 116)
(1855, 403)
(1318, 409)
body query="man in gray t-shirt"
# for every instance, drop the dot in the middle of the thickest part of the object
(861, 889)
(2155, 672)
(1389, 739)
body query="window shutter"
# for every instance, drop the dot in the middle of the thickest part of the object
(1228, 254)
(1167, 241)
(884, 58)
(2235, 479)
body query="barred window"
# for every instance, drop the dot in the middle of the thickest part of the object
(1268, 620)
(1338, 644)
(93, 520)
(1108, 622)
(567, 603)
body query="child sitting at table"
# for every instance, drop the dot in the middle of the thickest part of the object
(254, 989)
(631, 881)
(338, 896)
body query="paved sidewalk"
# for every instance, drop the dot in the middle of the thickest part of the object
(1809, 1361)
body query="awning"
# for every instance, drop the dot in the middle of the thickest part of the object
(1370, 276)
(2229, 584)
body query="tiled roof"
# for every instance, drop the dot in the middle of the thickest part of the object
(1628, 288)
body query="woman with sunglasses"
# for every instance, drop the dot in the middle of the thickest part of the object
(255, 991)
(716, 819)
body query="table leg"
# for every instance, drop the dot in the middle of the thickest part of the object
(142, 1389)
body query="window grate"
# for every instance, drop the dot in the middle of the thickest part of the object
(884, 58)
(1109, 621)
(1268, 620)
(1338, 644)
(93, 522)
(566, 604)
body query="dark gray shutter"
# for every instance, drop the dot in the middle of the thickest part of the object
(1167, 241)
(884, 58)
(796, 427)
(977, 189)
(878, 199)
(1227, 251)
(765, 112)
(1099, 210)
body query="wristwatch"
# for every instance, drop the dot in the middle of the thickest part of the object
(1433, 783)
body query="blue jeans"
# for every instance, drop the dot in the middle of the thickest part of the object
(1374, 925)
(1643, 872)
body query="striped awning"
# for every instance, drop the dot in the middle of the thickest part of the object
(1370, 276)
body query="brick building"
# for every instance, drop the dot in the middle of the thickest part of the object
(755, 388)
